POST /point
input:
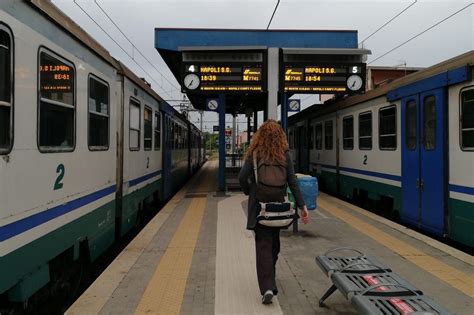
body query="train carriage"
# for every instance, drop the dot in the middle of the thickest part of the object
(85, 144)
(407, 147)
(58, 166)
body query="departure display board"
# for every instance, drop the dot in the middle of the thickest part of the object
(223, 77)
(322, 78)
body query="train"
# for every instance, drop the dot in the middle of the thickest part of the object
(85, 146)
(405, 149)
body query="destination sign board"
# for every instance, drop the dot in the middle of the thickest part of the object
(322, 78)
(223, 77)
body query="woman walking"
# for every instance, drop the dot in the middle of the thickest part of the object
(269, 146)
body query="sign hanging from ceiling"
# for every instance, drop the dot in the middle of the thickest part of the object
(223, 77)
(322, 78)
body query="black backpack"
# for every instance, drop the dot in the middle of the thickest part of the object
(270, 179)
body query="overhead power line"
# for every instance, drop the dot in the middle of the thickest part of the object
(271, 19)
(131, 57)
(388, 22)
(134, 46)
(421, 33)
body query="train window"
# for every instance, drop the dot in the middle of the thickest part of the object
(98, 114)
(157, 125)
(328, 135)
(57, 104)
(467, 119)
(365, 131)
(348, 133)
(6, 104)
(388, 128)
(311, 137)
(135, 125)
(178, 137)
(411, 125)
(319, 137)
(169, 132)
(148, 128)
(429, 123)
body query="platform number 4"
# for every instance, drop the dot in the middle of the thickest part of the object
(60, 171)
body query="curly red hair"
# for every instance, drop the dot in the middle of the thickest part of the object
(269, 142)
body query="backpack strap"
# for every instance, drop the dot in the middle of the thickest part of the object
(255, 166)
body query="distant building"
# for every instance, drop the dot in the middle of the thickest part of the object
(241, 138)
(380, 75)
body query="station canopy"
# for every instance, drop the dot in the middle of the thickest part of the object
(234, 62)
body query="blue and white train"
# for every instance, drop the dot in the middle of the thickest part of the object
(84, 145)
(406, 148)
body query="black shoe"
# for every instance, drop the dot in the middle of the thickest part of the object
(267, 297)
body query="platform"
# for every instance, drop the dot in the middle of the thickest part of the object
(196, 257)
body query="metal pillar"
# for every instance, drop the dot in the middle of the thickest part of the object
(284, 113)
(255, 121)
(234, 131)
(249, 132)
(273, 62)
(221, 142)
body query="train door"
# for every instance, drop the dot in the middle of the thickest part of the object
(424, 160)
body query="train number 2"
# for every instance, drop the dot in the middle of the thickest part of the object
(365, 159)
(59, 170)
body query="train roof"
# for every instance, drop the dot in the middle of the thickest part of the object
(47, 8)
(466, 59)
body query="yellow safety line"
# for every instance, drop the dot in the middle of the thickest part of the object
(165, 291)
(452, 276)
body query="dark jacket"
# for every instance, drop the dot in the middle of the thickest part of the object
(247, 183)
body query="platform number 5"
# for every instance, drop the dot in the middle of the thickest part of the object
(60, 171)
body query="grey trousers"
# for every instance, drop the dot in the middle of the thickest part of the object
(267, 246)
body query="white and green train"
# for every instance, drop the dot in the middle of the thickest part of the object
(406, 147)
(84, 145)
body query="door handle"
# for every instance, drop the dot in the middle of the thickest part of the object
(422, 185)
(417, 183)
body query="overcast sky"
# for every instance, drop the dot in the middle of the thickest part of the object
(138, 18)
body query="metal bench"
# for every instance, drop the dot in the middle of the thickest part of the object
(358, 264)
(372, 287)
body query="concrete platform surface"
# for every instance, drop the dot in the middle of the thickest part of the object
(196, 257)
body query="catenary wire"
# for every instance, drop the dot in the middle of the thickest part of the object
(388, 22)
(134, 46)
(273, 14)
(103, 30)
(419, 34)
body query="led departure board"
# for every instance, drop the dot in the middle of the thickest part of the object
(230, 77)
(56, 77)
(322, 78)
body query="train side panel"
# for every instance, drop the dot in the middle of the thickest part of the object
(322, 157)
(368, 173)
(56, 199)
(461, 164)
(142, 165)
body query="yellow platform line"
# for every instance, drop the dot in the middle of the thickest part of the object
(452, 276)
(165, 291)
